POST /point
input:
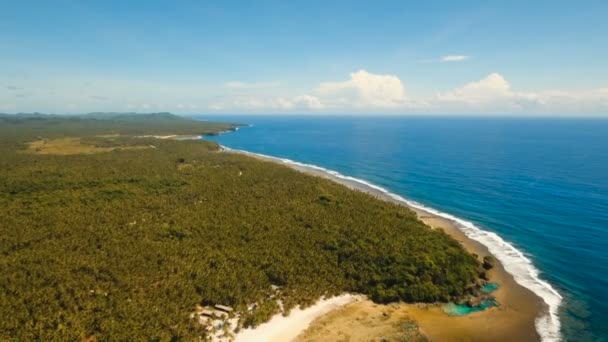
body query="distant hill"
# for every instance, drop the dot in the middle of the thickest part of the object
(32, 125)
(94, 115)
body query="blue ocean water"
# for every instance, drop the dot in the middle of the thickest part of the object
(540, 184)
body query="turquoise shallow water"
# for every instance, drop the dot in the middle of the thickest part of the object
(489, 288)
(463, 310)
(540, 184)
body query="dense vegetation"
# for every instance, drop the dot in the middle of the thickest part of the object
(122, 245)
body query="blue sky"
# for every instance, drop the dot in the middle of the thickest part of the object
(436, 57)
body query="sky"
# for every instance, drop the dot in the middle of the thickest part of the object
(319, 57)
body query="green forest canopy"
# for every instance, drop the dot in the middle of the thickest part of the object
(122, 245)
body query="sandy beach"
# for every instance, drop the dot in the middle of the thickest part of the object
(513, 320)
(281, 328)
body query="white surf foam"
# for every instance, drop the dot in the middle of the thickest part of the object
(513, 260)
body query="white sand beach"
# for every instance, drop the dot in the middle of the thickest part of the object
(281, 328)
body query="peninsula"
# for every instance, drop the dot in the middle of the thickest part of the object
(114, 227)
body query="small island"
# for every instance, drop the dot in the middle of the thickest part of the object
(130, 227)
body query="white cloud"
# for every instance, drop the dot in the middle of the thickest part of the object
(308, 101)
(364, 89)
(359, 92)
(490, 88)
(454, 58)
(256, 104)
(589, 100)
(495, 93)
(182, 106)
(490, 94)
(252, 85)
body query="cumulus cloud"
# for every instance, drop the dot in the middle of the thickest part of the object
(490, 88)
(492, 93)
(454, 58)
(308, 101)
(251, 85)
(362, 90)
(365, 89)
(495, 93)
(359, 92)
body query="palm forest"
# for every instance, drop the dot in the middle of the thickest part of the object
(114, 229)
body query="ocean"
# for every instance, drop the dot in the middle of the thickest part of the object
(534, 190)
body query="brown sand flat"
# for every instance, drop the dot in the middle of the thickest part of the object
(363, 321)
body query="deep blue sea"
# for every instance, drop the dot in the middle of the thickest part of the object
(540, 184)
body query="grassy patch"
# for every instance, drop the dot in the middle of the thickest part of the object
(70, 146)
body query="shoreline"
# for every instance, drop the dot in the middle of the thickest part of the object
(523, 314)
(286, 328)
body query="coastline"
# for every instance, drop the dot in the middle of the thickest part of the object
(523, 315)
(285, 328)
